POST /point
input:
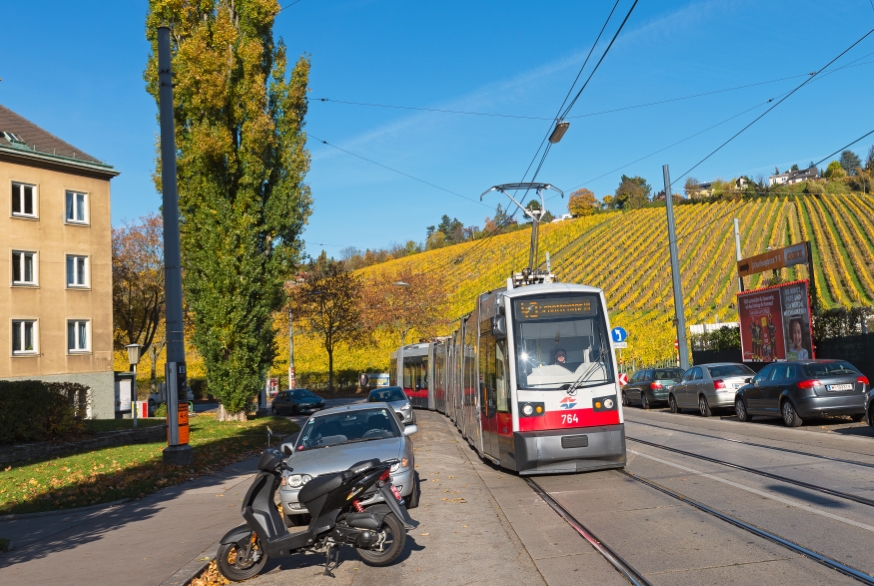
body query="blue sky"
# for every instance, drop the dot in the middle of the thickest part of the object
(81, 78)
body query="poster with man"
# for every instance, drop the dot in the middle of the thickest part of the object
(796, 321)
(775, 323)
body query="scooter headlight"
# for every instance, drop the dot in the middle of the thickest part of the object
(298, 480)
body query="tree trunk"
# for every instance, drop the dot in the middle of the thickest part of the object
(331, 370)
(223, 415)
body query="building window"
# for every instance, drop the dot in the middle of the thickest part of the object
(77, 335)
(24, 336)
(77, 211)
(77, 271)
(24, 200)
(23, 268)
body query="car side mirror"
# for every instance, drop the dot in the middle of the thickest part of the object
(499, 327)
(411, 429)
(748, 380)
(288, 449)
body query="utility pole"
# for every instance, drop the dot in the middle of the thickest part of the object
(290, 349)
(680, 319)
(178, 451)
(737, 253)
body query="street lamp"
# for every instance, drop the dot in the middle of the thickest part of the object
(403, 335)
(133, 357)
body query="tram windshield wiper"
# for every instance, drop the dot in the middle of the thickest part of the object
(585, 376)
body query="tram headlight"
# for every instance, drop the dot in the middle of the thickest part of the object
(531, 409)
(528, 410)
(608, 403)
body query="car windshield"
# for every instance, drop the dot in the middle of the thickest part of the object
(561, 340)
(347, 427)
(730, 370)
(302, 394)
(390, 394)
(671, 374)
(837, 368)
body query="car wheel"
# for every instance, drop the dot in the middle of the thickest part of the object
(274, 411)
(295, 410)
(871, 414)
(741, 410)
(672, 402)
(790, 416)
(413, 499)
(644, 401)
(857, 417)
(704, 407)
(625, 402)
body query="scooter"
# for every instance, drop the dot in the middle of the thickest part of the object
(378, 532)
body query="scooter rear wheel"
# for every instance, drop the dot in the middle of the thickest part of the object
(395, 539)
(235, 569)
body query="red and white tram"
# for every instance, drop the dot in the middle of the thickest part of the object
(529, 377)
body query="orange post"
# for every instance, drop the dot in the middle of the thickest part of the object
(183, 424)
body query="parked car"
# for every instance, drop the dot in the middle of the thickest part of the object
(650, 386)
(335, 439)
(398, 400)
(296, 402)
(805, 388)
(709, 386)
(869, 410)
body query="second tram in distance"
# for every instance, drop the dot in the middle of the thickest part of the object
(528, 377)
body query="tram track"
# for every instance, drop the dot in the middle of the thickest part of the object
(784, 479)
(757, 445)
(623, 567)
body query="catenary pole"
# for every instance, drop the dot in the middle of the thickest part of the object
(737, 253)
(680, 319)
(178, 451)
(290, 350)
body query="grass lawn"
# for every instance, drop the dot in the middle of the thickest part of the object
(98, 425)
(110, 474)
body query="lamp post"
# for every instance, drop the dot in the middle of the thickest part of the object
(403, 335)
(133, 357)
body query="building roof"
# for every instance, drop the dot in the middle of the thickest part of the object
(22, 135)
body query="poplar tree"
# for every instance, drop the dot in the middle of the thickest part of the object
(242, 160)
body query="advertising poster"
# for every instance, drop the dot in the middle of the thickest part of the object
(796, 321)
(775, 323)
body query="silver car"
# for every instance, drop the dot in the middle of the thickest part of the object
(398, 400)
(709, 386)
(335, 439)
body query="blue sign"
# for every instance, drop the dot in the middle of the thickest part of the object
(619, 335)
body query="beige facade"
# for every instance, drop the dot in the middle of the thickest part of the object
(55, 263)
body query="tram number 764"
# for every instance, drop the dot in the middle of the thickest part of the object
(567, 418)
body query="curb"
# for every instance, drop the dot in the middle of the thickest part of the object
(17, 516)
(191, 570)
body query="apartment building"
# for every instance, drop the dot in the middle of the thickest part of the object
(56, 257)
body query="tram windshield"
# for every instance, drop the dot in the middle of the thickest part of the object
(561, 341)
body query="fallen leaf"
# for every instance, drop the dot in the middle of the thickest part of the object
(425, 533)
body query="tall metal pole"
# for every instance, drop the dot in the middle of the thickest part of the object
(680, 319)
(401, 360)
(737, 253)
(290, 350)
(177, 452)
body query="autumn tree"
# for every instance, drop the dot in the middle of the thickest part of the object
(241, 165)
(138, 285)
(582, 202)
(399, 302)
(327, 302)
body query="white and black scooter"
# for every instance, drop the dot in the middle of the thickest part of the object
(378, 532)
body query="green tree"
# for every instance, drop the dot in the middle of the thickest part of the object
(835, 171)
(850, 162)
(241, 166)
(632, 193)
(582, 202)
(328, 302)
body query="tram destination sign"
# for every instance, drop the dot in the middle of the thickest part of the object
(773, 259)
(530, 309)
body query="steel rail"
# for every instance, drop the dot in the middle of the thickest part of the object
(791, 545)
(815, 487)
(611, 556)
(775, 448)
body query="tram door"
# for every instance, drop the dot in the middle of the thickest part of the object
(488, 390)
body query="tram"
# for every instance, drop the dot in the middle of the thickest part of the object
(529, 378)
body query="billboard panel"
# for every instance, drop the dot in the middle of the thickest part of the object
(775, 323)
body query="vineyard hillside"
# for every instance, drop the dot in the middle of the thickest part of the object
(625, 253)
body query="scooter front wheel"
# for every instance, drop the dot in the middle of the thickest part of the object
(392, 546)
(232, 564)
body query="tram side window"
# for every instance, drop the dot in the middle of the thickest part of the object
(502, 381)
(487, 366)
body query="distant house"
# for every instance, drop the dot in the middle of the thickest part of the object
(791, 177)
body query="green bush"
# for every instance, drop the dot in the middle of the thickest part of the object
(161, 410)
(33, 410)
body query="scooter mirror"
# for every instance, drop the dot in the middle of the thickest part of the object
(288, 449)
(411, 429)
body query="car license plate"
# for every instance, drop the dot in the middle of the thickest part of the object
(738, 385)
(840, 387)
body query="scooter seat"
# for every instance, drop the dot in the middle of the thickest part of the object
(319, 486)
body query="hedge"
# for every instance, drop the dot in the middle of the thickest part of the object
(32, 410)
